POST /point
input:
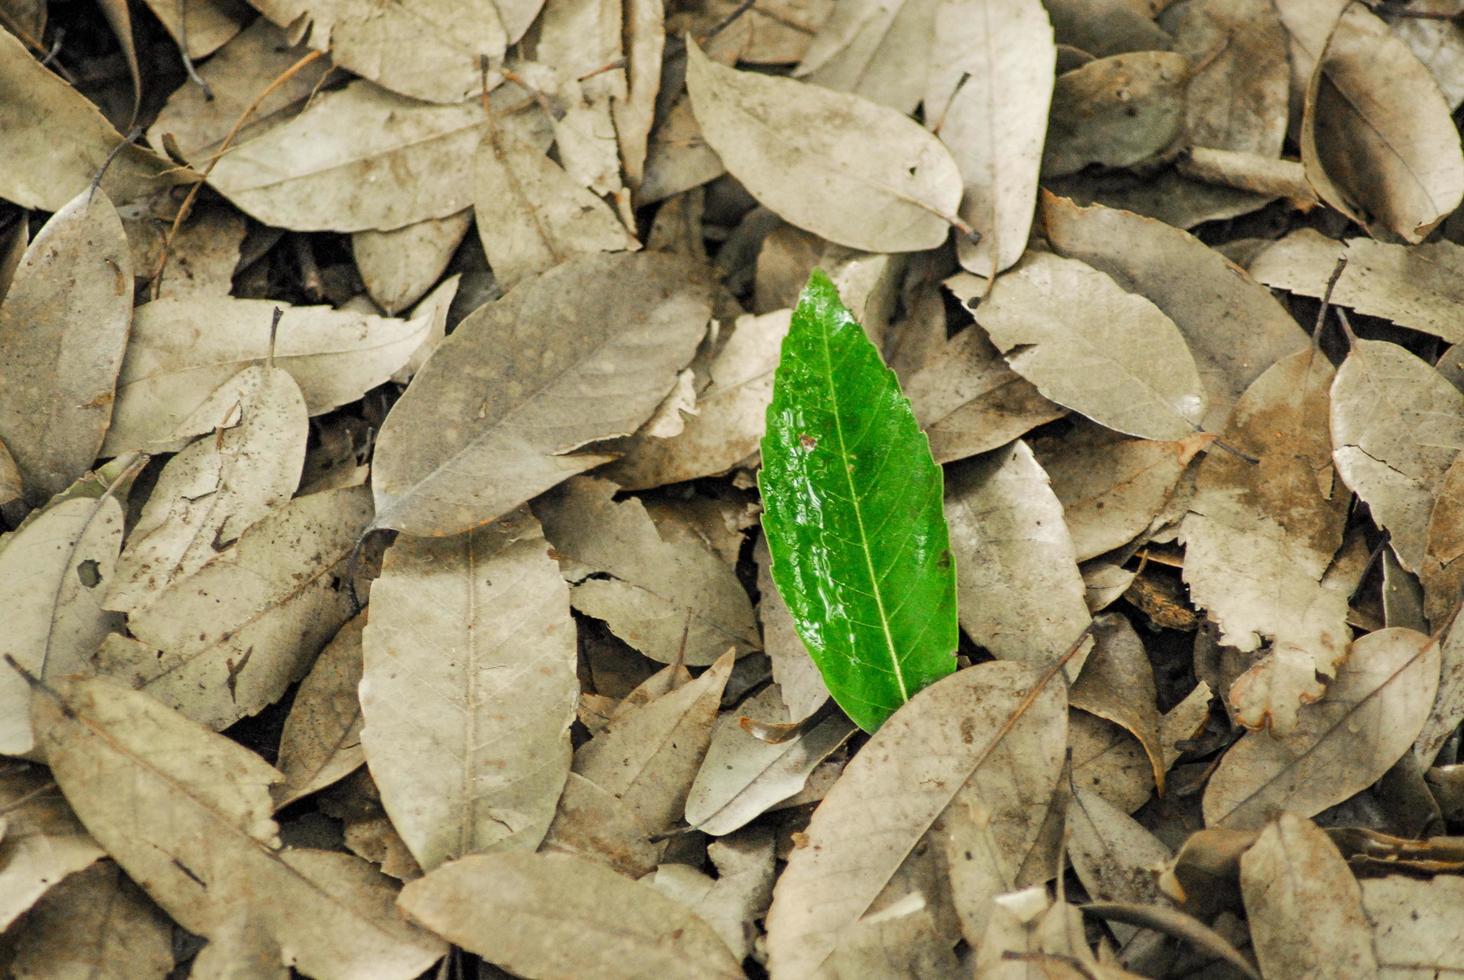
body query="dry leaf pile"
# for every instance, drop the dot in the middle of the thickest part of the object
(381, 588)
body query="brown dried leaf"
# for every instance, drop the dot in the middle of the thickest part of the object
(739, 894)
(593, 823)
(321, 739)
(1028, 926)
(399, 266)
(458, 771)
(1117, 683)
(1115, 857)
(800, 684)
(874, 49)
(1117, 111)
(42, 841)
(63, 327)
(1415, 924)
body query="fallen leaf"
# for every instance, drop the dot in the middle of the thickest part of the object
(437, 681)
(493, 418)
(1448, 707)
(1173, 922)
(1304, 907)
(554, 914)
(1116, 358)
(399, 266)
(210, 23)
(739, 894)
(1414, 923)
(1117, 683)
(673, 601)
(1031, 925)
(1017, 577)
(1115, 857)
(895, 789)
(228, 640)
(1116, 111)
(61, 348)
(1397, 426)
(1106, 27)
(880, 51)
(800, 685)
(217, 487)
(594, 823)
(893, 189)
(1369, 717)
(42, 841)
(1260, 536)
(321, 739)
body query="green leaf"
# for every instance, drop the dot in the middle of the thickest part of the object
(852, 513)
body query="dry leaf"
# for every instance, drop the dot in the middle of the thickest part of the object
(895, 187)
(41, 842)
(1115, 358)
(1303, 905)
(61, 345)
(1233, 325)
(799, 682)
(739, 894)
(1116, 111)
(182, 349)
(208, 494)
(1369, 717)
(1017, 582)
(1030, 925)
(225, 642)
(995, 120)
(203, 255)
(1117, 683)
(880, 51)
(495, 415)
(593, 823)
(121, 758)
(1260, 536)
(558, 915)
(399, 266)
(677, 157)
(321, 739)
(458, 771)
(635, 113)
(210, 24)
(1397, 426)
(1415, 924)
(1115, 857)
(53, 574)
(649, 757)
(675, 601)
(1377, 139)
(1442, 574)
(894, 791)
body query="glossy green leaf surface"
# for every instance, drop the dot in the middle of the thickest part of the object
(853, 517)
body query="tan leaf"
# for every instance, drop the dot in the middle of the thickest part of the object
(1105, 27)
(677, 157)
(95, 924)
(1030, 923)
(42, 842)
(1442, 574)
(61, 346)
(675, 601)
(1020, 594)
(885, 802)
(1117, 683)
(399, 266)
(593, 823)
(1116, 111)
(458, 771)
(557, 915)
(635, 113)
(582, 352)
(53, 573)
(742, 776)
(1115, 857)
(1117, 358)
(1110, 762)
(1374, 136)
(1237, 96)
(1233, 325)
(1397, 426)
(996, 119)
(1260, 536)
(210, 23)
(739, 894)
(649, 757)
(321, 739)
(122, 759)
(1448, 707)
(877, 50)
(362, 158)
(1303, 905)
(203, 255)
(893, 189)
(1417, 287)
(1415, 924)
(800, 684)
(208, 494)
(57, 141)
(182, 349)
(1368, 718)
(532, 215)
(225, 642)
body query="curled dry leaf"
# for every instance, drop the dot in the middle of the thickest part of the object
(397, 267)
(61, 345)
(1117, 683)
(1369, 717)
(183, 348)
(880, 51)
(41, 842)
(1115, 357)
(848, 170)
(1020, 593)
(225, 642)
(1303, 905)
(580, 353)
(53, 574)
(899, 785)
(361, 158)
(558, 915)
(1234, 327)
(1418, 287)
(459, 772)
(208, 494)
(1397, 426)
(321, 739)
(673, 599)
(1260, 536)
(1116, 111)
(214, 865)
(1377, 139)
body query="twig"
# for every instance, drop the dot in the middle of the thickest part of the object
(193, 75)
(1327, 297)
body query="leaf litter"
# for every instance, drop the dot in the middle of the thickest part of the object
(383, 586)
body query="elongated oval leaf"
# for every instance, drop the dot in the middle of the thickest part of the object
(852, 513)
